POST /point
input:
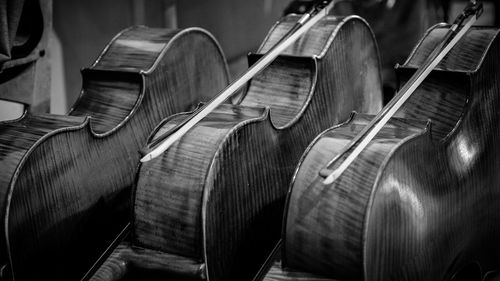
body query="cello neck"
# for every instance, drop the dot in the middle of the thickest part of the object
(460, 26)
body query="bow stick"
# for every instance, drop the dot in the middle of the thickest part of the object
(458, 29)
(163, 142)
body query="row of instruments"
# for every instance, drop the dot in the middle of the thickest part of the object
(163, 170)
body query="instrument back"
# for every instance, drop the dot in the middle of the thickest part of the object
(66, 180)
(420, 202)
(215, 198)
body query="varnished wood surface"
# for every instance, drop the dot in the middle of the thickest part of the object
(134, 263)
(272, 270)
(418, 204)
(314, 43)
(277, 273)
(338, 205)
(135, 50)
(459, 59)
(66, 180)
(217, 195)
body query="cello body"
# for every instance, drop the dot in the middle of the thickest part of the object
(421, 201)
(66, 180)
(212, 203)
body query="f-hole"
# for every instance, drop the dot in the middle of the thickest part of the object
(471, 272)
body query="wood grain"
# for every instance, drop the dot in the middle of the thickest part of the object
(217, 195)
(135, 263)
(277, 273)
(66, 180)
(420, 203)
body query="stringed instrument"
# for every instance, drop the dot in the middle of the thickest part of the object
(420, 199)
(66, 180)
(209, 207)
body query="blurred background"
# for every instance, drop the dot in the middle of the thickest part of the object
(67, 35)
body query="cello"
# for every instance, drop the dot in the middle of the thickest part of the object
(420, 201)
(209, 207)
(66, 180)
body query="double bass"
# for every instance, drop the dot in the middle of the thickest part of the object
(420, 201)
(65, 183)
(209, 208)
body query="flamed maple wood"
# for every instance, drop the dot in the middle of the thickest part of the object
(421, 202)
(65, 181)
(216, 197)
